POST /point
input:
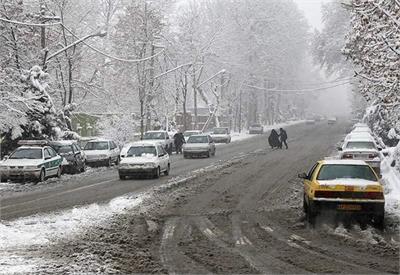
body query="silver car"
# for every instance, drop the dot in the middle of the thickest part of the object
(221, 135)
(199, 145)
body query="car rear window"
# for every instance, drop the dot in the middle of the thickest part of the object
(220, 131)
(96, 145)
(154, 135)
(197, 139)
(139, 151)
(360, 145)
(340, 171)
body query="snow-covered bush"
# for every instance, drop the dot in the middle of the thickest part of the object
(121, 129)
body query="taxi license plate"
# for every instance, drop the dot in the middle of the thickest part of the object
(349, 207)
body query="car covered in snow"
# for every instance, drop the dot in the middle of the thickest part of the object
(33, 160)
(355, 135)
(190, 133)
(144, 158)
(199, 145)
(362, 148)
(256, 129)
(74, 159)
(101, 152)
(345, 186)
(221, 135)
(332, 120)
(160, 137)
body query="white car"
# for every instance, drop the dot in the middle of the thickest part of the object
(144, 158)
(332, 120)
(160, 137)
(256, 129)
(221, 135)
(199, 145)
(34, 160)
(190, 133)
(355, 135)
(362, 149)
(101, 151)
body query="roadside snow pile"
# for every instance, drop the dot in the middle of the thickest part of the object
(391, 180)
(18, 238)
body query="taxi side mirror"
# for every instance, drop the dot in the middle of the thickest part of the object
(340, 149)
(6, 157)
(302, 176)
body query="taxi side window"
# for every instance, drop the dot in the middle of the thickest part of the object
(113, 145)
(52, 152)
(311, 172)
(46, 154)
(160, 150)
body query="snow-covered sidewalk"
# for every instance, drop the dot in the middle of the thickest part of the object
(391, 181)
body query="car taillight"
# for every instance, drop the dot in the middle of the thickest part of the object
(347, 156)
(372, 156)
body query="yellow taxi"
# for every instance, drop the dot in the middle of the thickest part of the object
(348, 186)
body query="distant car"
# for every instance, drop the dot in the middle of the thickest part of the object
(101, 152)
(190, 133)
(199, 145)
(362, 148)
(256, 129)
(161, 137)
(221, 135)
(74, 159)
(310, 121)
(33, 160)
(144, 158)
(362, 130)
(332, 120)
(349, 186)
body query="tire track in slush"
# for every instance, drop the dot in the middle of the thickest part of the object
(242, 246)
(171, 258)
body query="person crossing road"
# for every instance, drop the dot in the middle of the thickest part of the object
(283, 137)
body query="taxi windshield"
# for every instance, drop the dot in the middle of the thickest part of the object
(27, 153)
(198, 139)
(339, 171)
(154, 135)
(96, 145)
(139, 151)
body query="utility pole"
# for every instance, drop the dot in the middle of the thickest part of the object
(194, 96)
(42, 28)
(240, 110)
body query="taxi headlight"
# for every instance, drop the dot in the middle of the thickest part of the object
(31, 167)
(149, 165)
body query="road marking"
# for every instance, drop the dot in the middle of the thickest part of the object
(58, 194)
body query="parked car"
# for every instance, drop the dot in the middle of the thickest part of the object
(362, 149)
(101, 152)
(310, 121)
(347, 186)
(355, 135)
(33, 160)
(190, 133)
(221, 135)
(74, 159)
(332, 120)
(199, 145)
(144, 158)
(160, 137)
(256, 129)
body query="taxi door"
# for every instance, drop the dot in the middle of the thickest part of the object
(308, 182)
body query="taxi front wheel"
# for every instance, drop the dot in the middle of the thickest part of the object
(42, 176)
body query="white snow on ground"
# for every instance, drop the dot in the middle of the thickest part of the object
(391, 181)
(245, 135)
(17, 236)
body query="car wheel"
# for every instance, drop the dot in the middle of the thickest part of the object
(311, 215)
(157, 173)
(379, 221)
(168, 169)
(42, 176)
(208, 154)
(59, 172)
(121, 177)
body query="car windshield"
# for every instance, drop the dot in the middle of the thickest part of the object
(139, 151)
(63, 149)
(27, 153)
(219, 131)
(154, 135)
(190, 133)
(96, 145)
(198, 139)
(341, 171)
(360, 145)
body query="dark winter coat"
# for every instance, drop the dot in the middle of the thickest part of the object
(283, 135)
(273, 139)
(179, 139)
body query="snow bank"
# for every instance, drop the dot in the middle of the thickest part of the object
(391, 181)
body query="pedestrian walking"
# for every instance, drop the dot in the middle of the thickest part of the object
(179, 140)
(273, 139)
(283, 137)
